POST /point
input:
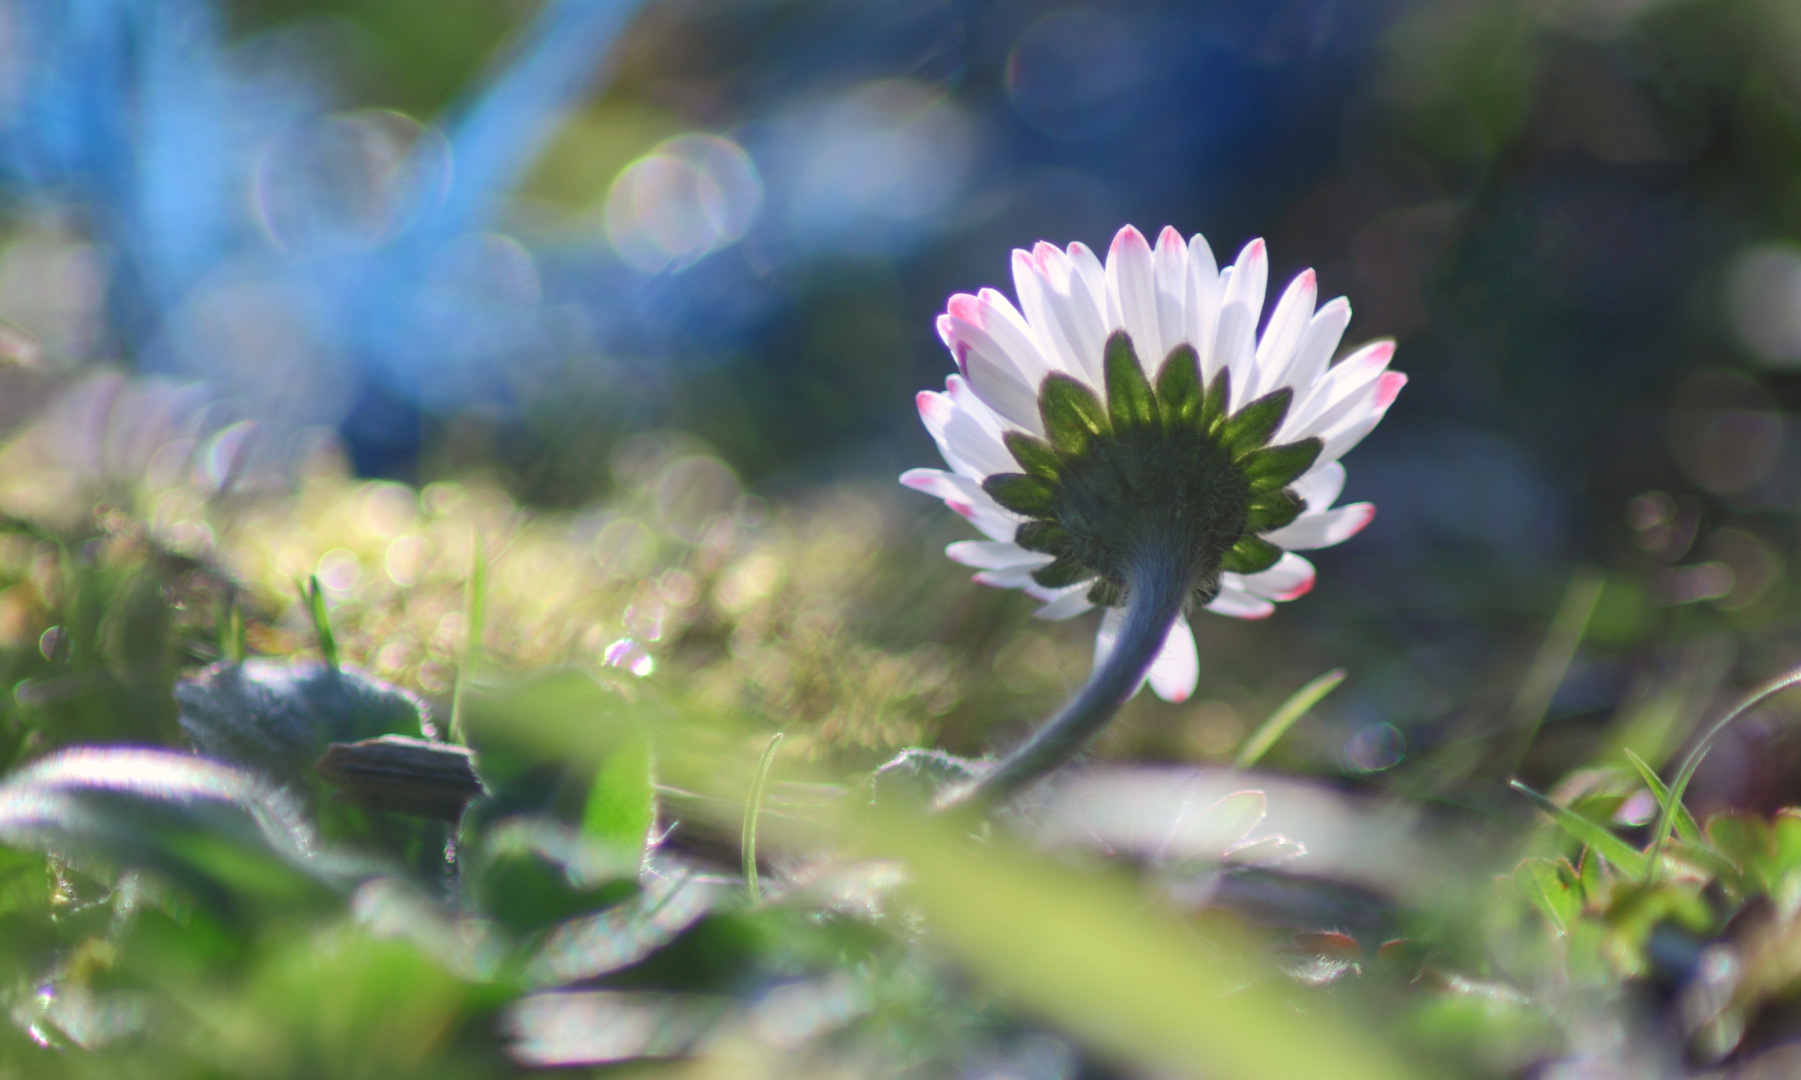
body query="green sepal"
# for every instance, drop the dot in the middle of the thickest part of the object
(1044, 537)
(1033, 496)
(1073, 416)
(1213, 406)
(1130, 400)
(1251, 427)
(1063, 572)
(1275, 467)
(1179, 391)
(1273, 510)
(1251, 555)
(1105, 593)
(1034, 455)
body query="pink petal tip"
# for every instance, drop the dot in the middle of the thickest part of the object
(1128, 236)
(1389, 388)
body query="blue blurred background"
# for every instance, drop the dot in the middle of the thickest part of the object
(474, 235)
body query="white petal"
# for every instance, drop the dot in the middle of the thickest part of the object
(1041, 307)
(1311, 531)
(1290, 579)
(1317, 346)
(1203, 301)
(1337, 391)
(1067, 603)
(1173, 673)
(1012, 577)
(1233, 351)
(1132, 291)
(1347, 433)
(1067, 310)
(1250, 276)
(1170, 266)
(1177, 668)
(967, 498)
(1108, 635)
(1321, 486)
(996, 555)
(970, 446)
(1000, 387)
(996, 353)
(1233, 600)
(1282, 337)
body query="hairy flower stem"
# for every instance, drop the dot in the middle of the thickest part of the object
(1159, 581)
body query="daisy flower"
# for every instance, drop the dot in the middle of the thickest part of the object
(1126, 430)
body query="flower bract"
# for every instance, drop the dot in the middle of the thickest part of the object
(1134, 403)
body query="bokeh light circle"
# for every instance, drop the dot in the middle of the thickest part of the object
(691, 195)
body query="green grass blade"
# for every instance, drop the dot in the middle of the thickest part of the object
(314, 598)
(1628, 859)
(753, 807)
(475, 613)
(1686, 827)
(1693, 761)
(1121, 973)
(1552, 661)
(1298, 705)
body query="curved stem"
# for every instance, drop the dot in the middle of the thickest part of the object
(1679, 786)
(1157, 587)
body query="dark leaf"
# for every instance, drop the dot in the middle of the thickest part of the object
(1034, 455)
(1032, 496)
(1073, 416)
(1251, 427)
(1130, 401)
(1061, 573)
(1275, 467)
(1273, 510)
(1252, 554)
(1179, 391)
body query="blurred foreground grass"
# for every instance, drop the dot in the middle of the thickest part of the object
(615, 675)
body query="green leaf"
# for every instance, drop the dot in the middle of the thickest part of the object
(1033, 496)
(1251, 427)
(1213, 406)
(328, 643)
(1273, 510)
(1297, 706)
(1034, 455)
(1130, 400)
(1252, 554)
(1106, 594)
(1275, 467)
(621, 804)
(1747, 840)
(1551, 888)
(1123, 976)
(1073, 416)
(1179, 391)
(1064, 572)
(1686, 828)
(1045, 537)
(1626, 858)
(753, 809)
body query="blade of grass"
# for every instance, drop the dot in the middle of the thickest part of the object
(1552, 661)
(1630, 861)
(1298, 705)
(314, 598)
(753, 807)
(1693, 761)
(1088, 952)
(475, 613)
(230, 626)
(1686, 827)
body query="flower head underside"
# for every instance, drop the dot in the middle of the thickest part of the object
(1135, 404)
